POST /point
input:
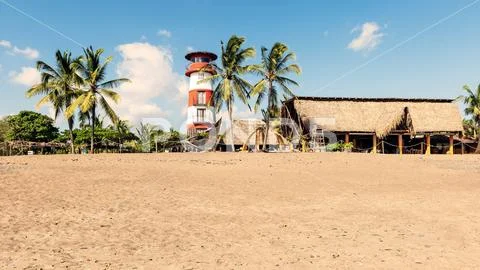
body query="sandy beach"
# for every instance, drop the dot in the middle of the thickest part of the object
(235, 211)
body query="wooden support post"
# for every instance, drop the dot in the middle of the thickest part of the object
(450, 149)
(347, 137)
(429, 146)
(374, 149)
(400, 144)
(463, 149)
(383, 146)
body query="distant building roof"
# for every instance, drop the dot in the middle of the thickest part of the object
(362, 99)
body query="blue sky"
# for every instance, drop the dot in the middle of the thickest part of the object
(435, 64)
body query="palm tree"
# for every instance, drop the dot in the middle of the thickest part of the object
(472, 101)
(123, 130)
(272, 70)
(93, 72)
(228, 77)
(59, 86)
(146, 133)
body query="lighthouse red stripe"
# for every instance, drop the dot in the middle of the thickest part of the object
(193, 97)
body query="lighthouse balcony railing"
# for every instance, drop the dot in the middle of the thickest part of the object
(201, 120)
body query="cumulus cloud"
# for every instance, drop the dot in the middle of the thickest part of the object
(14, 50)
(5, 44)
(28, 76)
(369, 38)
(150, 68)
(27, 52)
(164, 33)
(190, 49)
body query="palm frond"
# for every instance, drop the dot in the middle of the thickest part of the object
(108, 110)
(69, 112)
(110, 94)
(113, 83)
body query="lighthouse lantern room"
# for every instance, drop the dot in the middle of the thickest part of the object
(201, 110)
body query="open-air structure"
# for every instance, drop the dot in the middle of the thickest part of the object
(380, 125)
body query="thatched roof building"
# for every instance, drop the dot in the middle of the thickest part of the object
(246, 131)
(375, 115)
(404, 124)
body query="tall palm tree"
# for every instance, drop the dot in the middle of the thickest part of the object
(273, 69)
(472, 101)
(93, 72)
(229, 77)
(59, 86)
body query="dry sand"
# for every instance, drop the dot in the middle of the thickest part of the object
(221, 210)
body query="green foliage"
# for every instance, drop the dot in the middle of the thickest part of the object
(59, 85)
(107, 135)
(273, 69)
(31, 126)
(470, 128)
(339, 146)
(150, 138)
(4, 127)
(92, 69)
(229, 80)
(472, 101)
(202, 135)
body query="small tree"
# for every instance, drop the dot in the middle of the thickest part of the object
(4, 127)
(31, 126)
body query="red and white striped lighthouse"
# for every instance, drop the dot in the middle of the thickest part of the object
(201, 110)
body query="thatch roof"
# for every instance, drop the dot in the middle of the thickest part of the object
(243, 128)
(378, 116)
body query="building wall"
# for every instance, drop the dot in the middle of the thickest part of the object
(209, 114)
(195, 79)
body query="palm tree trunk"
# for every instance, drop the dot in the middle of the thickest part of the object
(230, 112)
(477, 151)
(70, 128)
(92, 141)
(267, 128)
(70, 122)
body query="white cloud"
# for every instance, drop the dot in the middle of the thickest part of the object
(14, 50)
(190, 49)
(150, 68)
(164, 33)
(27, 52)
(370, 37)
(5, 43)
(28, 76)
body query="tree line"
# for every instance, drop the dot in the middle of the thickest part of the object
(78, 89)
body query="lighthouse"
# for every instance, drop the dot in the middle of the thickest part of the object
(201, 110)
